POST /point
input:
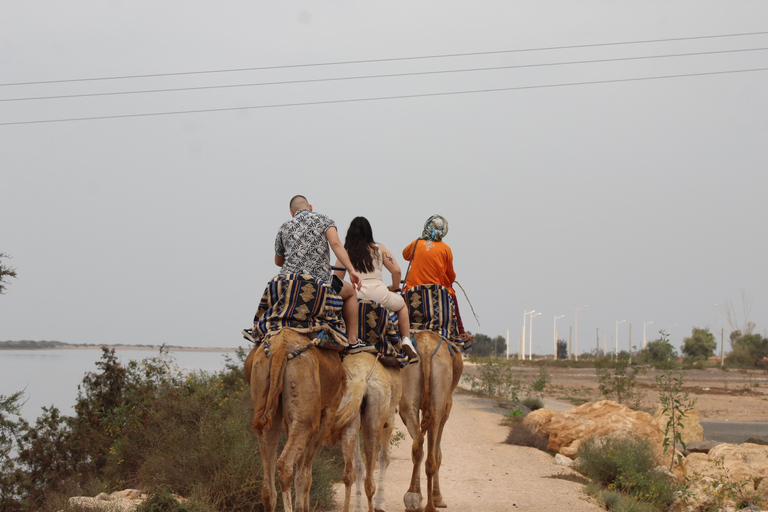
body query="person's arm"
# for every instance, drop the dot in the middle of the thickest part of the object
(341, 253)
(279, 260)
(449, 272)
(391, 265)
(408, 251)
(339, 273)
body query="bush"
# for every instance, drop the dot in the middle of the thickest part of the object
(497, 379)
(521, 435)
(625, 464)
(148, 425)
(533, 402)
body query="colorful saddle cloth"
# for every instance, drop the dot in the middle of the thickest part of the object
(302, 303)
(431, 308)
(377, 326)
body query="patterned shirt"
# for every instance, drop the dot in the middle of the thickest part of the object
(302, 242)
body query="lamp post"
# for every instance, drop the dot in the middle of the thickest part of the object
(576, 328)
(555, 335)
(521, 345)
(616, 350)
(645, 340)
(722, 355)
(530, 338)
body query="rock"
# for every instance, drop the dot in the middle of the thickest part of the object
(691, 428)
(700, 446)
(119, 501)
(566, 430)
(562, 460)
(740, 463)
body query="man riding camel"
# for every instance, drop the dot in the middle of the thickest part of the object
(302, 247)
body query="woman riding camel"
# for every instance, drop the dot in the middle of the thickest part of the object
(432, 263)
(367, 259)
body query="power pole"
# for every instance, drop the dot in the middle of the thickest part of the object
(570, 334)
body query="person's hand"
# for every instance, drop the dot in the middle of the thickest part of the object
(354, 278)
(393, 288)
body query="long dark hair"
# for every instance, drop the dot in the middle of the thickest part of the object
(359, 243)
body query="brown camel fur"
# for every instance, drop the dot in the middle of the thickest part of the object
(302, 394)
(428, 389)
(370, 403)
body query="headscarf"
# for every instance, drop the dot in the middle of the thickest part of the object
(435, 228)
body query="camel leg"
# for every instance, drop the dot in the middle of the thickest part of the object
(268, 441)
(371, 440)
(410, 416)
(384, 457)
(437, 496)
(350, 448)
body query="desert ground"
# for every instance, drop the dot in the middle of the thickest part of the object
(480, 472)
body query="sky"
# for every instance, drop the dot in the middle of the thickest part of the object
(596, 153)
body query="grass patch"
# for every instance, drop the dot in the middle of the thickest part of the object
(521, 435)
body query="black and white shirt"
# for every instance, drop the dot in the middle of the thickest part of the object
(302, 242)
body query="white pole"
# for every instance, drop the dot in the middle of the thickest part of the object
(576, 334)
(507, 343)
(555, 334)
(645, 339)
(530, 338)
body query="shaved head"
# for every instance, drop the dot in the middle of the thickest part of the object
(298, 202)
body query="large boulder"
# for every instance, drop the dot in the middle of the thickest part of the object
(691, 428)
(566, 430)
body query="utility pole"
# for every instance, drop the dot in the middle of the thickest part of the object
(570, 334)
(597, 348)
(722, 358)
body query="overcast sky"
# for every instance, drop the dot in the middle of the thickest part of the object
(570, 173)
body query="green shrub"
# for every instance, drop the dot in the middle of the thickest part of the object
(148, 425)
(533, 402)
(625, 464)
(497, 379)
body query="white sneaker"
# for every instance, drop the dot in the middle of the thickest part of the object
(406, 345)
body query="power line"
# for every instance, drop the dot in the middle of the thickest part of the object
(390, 75)
(394, 59)
(382, 98)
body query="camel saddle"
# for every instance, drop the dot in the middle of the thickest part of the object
(431, 308)
(305, 304)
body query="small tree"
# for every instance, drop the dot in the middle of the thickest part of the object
(674, 403)
(617, 380)
(562, 349)
(484, 345)
(5, 273)
(658, 352)
(699, 345)
(749, 350)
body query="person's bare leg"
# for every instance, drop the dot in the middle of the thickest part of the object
(403, 322)
(349, 311)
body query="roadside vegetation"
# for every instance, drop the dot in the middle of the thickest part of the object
(144, 425)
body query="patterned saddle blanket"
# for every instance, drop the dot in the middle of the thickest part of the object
(431, 308)
(302, 303)
(377, 326)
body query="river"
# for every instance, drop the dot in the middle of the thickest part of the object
(51, 376)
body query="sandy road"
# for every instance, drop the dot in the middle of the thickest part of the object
(480, 472)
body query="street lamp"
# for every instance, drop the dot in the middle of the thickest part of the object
(722, 355)
(555, 330)
(530, 338)
(645, 340)
(521, 343)
(616, 350)
(576, 328)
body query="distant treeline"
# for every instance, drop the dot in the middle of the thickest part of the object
(29, 344)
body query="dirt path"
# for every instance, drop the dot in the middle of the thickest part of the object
(480, 472)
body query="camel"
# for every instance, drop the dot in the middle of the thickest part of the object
(428, 389)
(303, 394)
(370, 402)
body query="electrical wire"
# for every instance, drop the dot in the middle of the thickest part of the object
(390, 75)
(394, 59)
(383, 98)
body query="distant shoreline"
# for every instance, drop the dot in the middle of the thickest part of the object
(26, 345)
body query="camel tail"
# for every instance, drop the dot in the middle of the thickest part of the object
(349, 407)
(270, 395)
(426, 391)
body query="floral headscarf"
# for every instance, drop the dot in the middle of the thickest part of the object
(435, 228)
